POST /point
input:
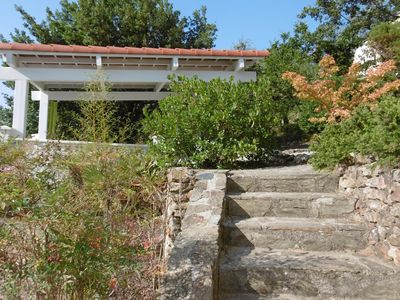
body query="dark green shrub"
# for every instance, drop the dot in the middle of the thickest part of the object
(371, 132)
(381, 138)
(213, 124)
(301, 115)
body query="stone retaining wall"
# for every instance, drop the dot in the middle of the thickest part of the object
(180, 183)
(377, 192)
(193, 259)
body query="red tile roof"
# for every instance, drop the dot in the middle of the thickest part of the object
(130, 50)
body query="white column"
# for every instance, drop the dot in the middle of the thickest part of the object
(43, 115)
(20, 107)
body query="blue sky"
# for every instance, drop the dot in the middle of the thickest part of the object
(259, 21)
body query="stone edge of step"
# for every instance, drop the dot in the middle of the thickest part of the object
(260, 259)
(290, 222)
(284, 195)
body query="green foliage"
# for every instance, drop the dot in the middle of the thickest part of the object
(385, 37)
(78, 224)
(213, 124)
(134, 23)
(127, 115)
(301, 115)
(97, 120)
(5, 116)
(243, 44)
(199, 33)
(6, 112)
(287, 55)
(342, 26)
(370, 132)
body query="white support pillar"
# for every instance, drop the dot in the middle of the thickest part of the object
(174, 65)
(239, 65)
(43, 116)
(99, 62)
(20, 107)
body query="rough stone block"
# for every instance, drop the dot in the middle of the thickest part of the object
(347, 182)
(396, 175)
(180, 174)
(376, 182)
(373, 237)
(195, 195)
(374, 204)
(372, 193)
(201, 184)
(178, 187)
(219, 182)
(395, 210)
(383, 232)
(394, 253)
(197, 208)
(394, 240)
(372, 216)
(383, 249)
(394, 193)
(205, 176)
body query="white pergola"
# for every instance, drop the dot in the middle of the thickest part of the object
(60, 72)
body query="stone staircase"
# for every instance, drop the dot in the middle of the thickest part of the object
(289, 234)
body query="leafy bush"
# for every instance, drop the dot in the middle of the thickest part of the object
(302, 113)
(370, 132)
(213, 124)
(78, 224)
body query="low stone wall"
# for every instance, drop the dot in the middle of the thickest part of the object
(180, 182)
(193, 260)
(377, 192)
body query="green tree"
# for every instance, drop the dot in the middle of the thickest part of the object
(342, 26)
(287, 54)
(198, 32)
(243, 44)
(134, 23)
(385, 37)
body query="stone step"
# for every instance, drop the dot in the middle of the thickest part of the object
(278, 274)
(246, 296)
(284, 179)
(307, 205)
(295, 233)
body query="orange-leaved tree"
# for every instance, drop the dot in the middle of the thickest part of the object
(338, 95)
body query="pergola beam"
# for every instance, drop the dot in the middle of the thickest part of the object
(114, 76)
(115, 96)
(159, 86)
